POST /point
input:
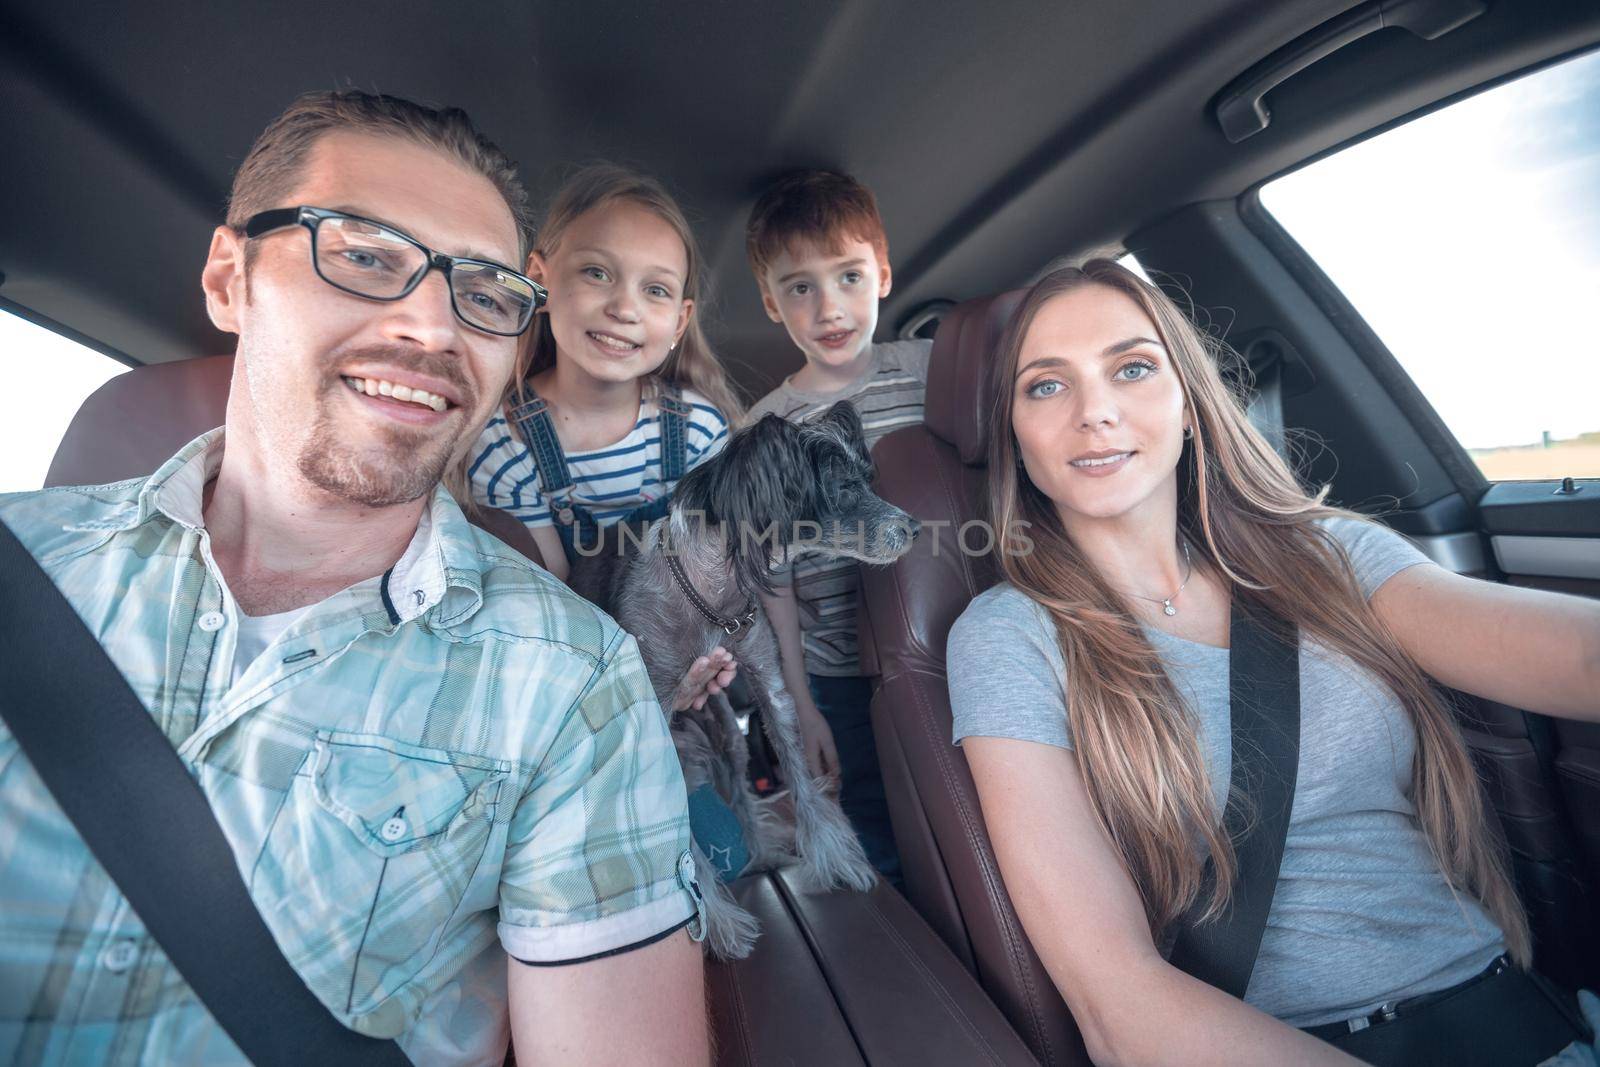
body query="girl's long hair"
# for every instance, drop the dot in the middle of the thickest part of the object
(1245, 515)
(693, 364)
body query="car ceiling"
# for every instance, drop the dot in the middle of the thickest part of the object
(996, 137)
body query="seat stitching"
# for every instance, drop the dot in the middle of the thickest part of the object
(741, 1027)
(989, 877)
(932, 980)
(969, 580)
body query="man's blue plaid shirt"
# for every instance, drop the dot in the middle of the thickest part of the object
(457, 760)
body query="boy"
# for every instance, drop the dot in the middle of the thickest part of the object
(821, 258)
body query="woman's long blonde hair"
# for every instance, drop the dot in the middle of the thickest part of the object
(693, 363)
(1245, 515)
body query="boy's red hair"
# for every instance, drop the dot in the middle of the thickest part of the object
(821, 207)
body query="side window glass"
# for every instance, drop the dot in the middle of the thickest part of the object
(1469, 240)
(1131, 261)
(49, 377)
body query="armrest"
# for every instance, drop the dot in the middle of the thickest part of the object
(906, 996)
(850, 978)
(775, 1007)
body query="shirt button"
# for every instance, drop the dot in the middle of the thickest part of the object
(212, 620)
(119, 956)
(686, 874)
(393, 829)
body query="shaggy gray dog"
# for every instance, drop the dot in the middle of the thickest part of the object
(691, 582)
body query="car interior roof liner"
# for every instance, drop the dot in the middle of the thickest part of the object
(82, 88)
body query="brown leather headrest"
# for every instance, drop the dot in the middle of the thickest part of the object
(135, 422)
(958, 404)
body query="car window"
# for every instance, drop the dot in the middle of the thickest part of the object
(49, 377)
(1469, 240)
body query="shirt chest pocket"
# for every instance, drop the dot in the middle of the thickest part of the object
(365, 869)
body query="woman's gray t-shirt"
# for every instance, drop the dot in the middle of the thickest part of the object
(1361, 915)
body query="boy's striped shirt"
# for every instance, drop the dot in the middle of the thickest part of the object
(887, 396)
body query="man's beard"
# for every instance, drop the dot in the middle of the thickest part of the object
(405, 465)
(378, 476)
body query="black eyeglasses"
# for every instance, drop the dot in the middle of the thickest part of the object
(370, 259)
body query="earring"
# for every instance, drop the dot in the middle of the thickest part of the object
(1188, 433)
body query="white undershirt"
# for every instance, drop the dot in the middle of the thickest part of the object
(256, 632)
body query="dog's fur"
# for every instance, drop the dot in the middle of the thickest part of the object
(779, 489)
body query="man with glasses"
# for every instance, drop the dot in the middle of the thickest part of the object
(444, 778)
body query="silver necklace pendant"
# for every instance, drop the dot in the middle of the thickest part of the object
(1166, 602)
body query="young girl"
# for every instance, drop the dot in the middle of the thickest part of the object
(617, 393)
(1091, 694)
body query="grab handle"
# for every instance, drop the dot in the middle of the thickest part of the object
(1240, 108)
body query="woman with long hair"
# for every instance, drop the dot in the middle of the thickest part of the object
(1090, 693)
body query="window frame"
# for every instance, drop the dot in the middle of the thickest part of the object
(121, 362)
(60, 329)
(1457, 462)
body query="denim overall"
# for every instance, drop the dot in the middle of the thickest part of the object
(575, 524)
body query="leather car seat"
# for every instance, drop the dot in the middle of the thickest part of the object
(133, 423)
(935, 471)
(1542, 779)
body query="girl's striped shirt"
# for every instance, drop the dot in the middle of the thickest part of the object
(609, 481)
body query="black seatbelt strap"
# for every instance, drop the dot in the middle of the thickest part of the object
(1264, 701)
(121, 782)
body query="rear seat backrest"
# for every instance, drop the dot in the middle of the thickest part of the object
(136, 421)
(935, 471)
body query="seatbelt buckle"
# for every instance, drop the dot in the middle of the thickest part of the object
(1383, 1013)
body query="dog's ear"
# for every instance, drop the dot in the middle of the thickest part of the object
(734, 483)
(847, 419)
(842, 423)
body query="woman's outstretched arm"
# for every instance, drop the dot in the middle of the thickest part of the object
(1084, 917)
(1525, 647)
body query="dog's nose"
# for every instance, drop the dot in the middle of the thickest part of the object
(902, 532)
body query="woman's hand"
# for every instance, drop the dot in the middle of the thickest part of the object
(706, 677)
